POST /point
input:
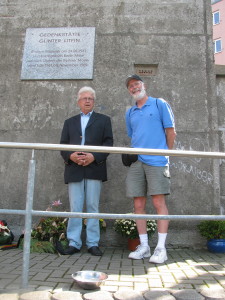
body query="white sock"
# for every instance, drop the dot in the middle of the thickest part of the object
(144, 239)
(161, 240)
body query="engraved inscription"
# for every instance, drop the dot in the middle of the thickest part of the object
(146, 69)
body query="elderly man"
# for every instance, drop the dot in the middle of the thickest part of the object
(84, 171)
(150, 124)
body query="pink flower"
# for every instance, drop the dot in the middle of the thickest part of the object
(57, 203)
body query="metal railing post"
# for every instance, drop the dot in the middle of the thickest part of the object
(28, 221)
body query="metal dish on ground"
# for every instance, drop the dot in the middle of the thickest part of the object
(89, 280)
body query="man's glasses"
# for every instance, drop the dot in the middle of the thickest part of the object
(87, 99)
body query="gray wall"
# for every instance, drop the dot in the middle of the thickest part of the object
(176, 35)
(220, 91)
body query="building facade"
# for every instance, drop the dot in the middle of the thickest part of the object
(218, 12)
(173, 36)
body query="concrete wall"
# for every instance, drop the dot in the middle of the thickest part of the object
(220, 91)
(176, 35)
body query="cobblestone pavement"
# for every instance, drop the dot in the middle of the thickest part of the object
(187, 274)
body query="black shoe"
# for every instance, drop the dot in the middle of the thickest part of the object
(68, 251)
(95, 251)
(71, 250)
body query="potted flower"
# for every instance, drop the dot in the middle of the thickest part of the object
(214, 232)
(128, 228)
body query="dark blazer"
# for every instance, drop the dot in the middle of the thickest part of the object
(97, 133)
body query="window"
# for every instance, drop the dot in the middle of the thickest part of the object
(217, 46)
(216, 18)
(215, 1)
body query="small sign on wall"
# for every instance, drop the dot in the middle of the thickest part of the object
(58, 53)
(146, 69)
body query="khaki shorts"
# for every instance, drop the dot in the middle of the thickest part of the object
(143, 180)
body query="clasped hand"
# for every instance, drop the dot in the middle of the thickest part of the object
(82, 158)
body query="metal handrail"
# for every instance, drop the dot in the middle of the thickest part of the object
(111, 216)
(29, 212)
(58, 147)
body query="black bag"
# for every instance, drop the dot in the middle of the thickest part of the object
(128, 159)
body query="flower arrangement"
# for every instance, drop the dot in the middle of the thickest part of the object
(6, 236)
(4, 230)
(128, 228)
(47, 231)
(51, 228)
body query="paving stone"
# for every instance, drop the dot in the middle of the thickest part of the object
(111, 289)
(36, 295)
(213, 294)
(100, 295)
(187, 295)
(67, 295)
(156, 283)
(9, 296)
(141, 287)
(158, 295)
(62, 287)
(128, 295)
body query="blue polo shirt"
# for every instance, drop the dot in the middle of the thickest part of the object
(146, 128)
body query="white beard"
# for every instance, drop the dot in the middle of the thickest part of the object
(140, 95)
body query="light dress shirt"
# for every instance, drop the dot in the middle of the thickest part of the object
(84, 120)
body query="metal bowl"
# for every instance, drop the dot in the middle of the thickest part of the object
(89, 280)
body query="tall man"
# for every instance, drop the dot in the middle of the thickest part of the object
(150, 124)
(84, 171)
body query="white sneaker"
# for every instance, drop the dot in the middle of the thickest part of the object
(140, 252)
(159, 256)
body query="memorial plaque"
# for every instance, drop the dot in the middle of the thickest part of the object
(58, 53)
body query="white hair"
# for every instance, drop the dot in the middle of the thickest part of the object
(84, 90)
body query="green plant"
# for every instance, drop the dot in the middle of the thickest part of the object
(212, 229)
(128, 228)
